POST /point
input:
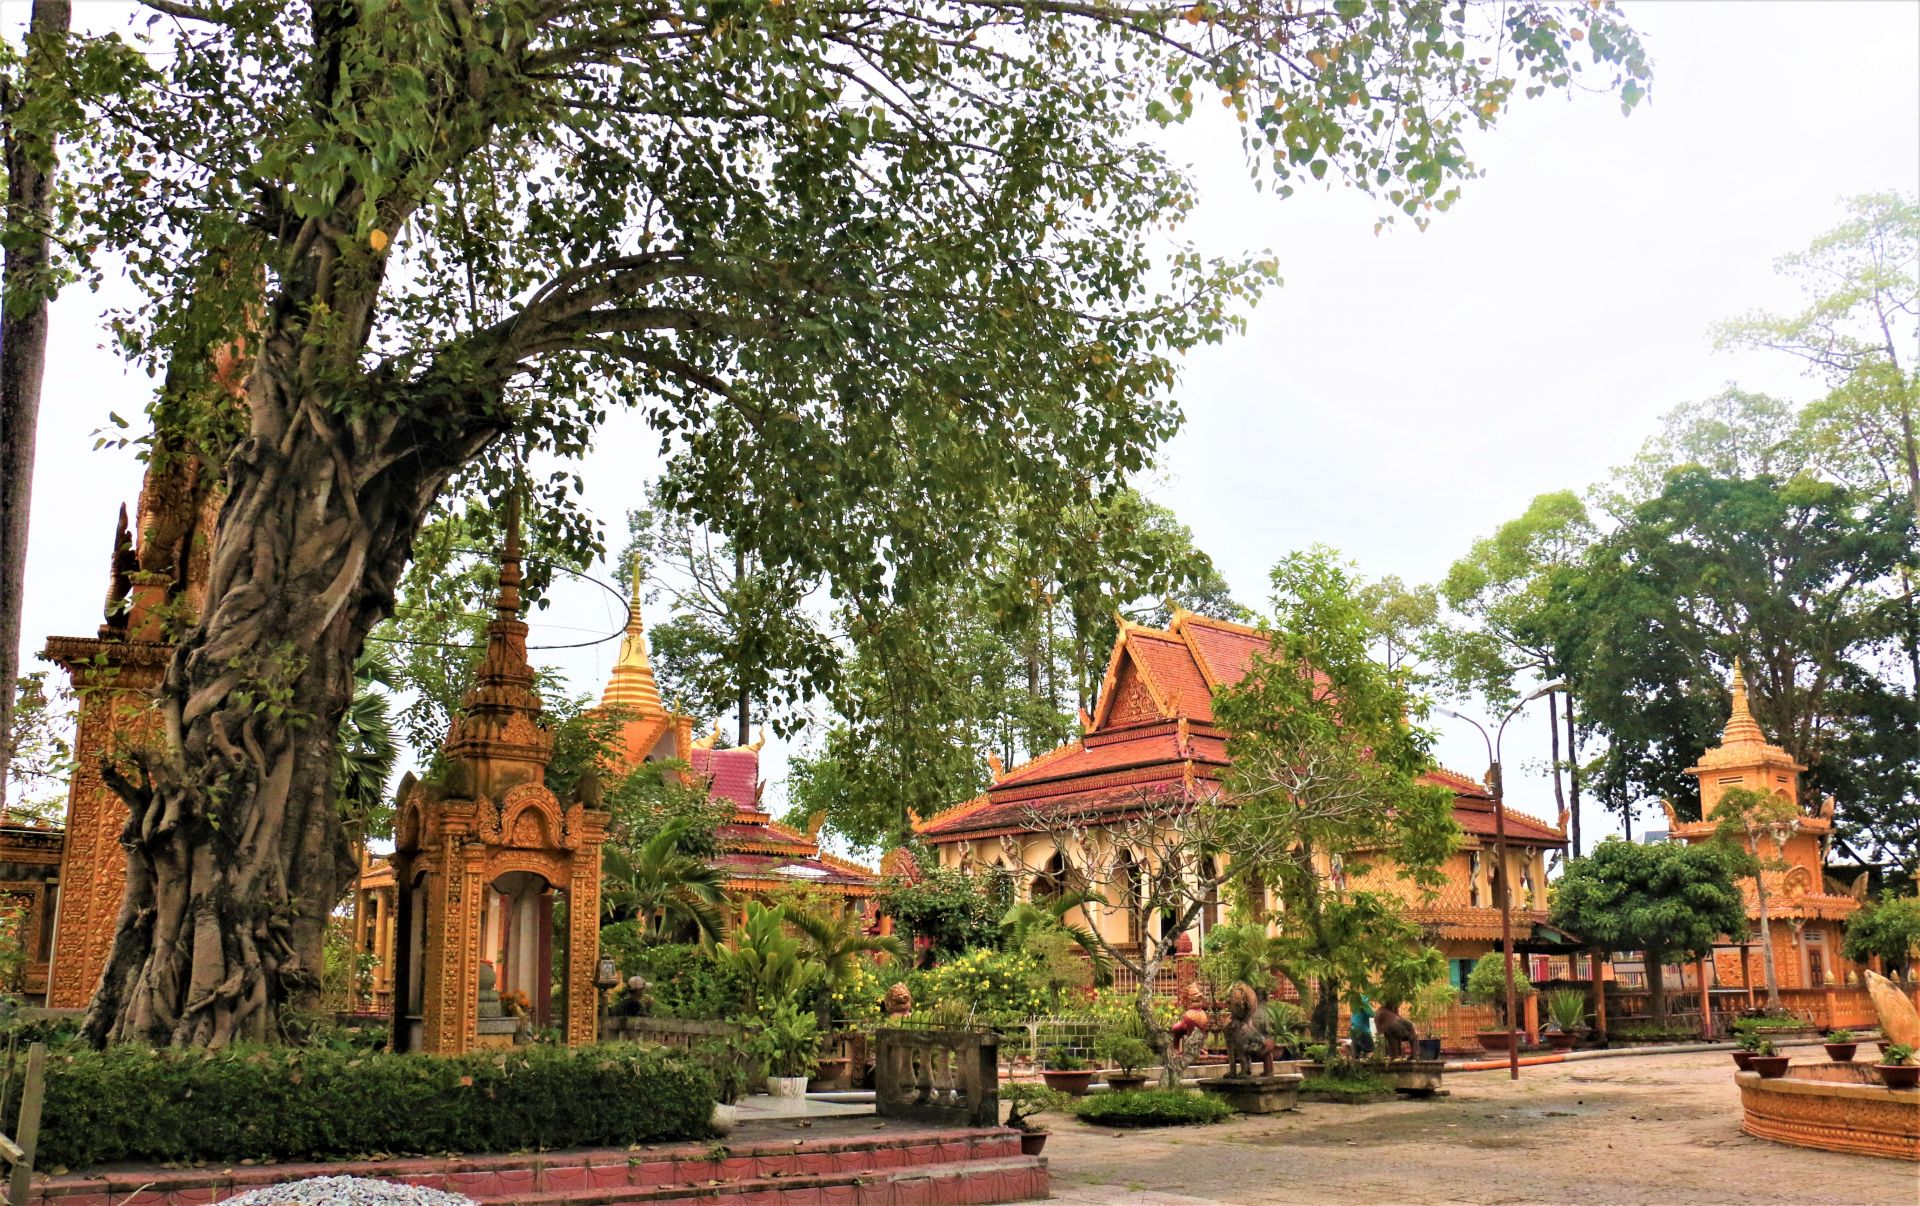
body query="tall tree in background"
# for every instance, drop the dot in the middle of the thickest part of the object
(1402, 619)
(1794, 577)
(737, 639)
(1509, 595)
(888, 270)
(33, 106)
(1325, 783)
(994, 667)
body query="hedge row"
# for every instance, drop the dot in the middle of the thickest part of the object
(279, 1103)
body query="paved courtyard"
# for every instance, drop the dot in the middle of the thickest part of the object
(1659, 1129)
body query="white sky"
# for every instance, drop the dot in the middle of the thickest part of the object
(1401, 394)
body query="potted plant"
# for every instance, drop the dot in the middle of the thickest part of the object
(1425, 1005)
(1840, 1046)
(1897, 1069)
(1067, 1072)
(1567, 1009)
(1025, 1100)
(1768, 1061)
(788, 1042)
(1743, 1051)
(1118, 1049)
(1487, 985)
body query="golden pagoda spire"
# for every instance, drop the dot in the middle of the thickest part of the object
(1741, 726)
(631, 685)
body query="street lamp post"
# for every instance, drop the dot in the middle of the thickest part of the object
(1495, 785)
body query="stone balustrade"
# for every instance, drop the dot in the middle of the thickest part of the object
(947, 1077)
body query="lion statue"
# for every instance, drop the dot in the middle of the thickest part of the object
(1249, 1031)
(898, 1002)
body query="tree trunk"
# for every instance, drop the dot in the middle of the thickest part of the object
(23, 341)
(236, 852)
(1656, 990)
(1766, 941)
(1573, 776)
(1553, 731)
(746, 700)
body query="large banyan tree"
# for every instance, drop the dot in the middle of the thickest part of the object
(880, 273)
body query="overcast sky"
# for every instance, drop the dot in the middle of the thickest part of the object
(1402, 394)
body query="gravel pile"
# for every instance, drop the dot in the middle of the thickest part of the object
(346, 1191)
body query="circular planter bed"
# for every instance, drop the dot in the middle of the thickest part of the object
(1771, 1067)
(1899, 1076)
(1743, 1060)
(1841, 1053)
(1495, 1040)
(1069, 1082)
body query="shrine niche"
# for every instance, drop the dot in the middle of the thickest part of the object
(480, 860)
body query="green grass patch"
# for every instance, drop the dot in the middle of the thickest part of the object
(1152, 1107)
(1347, 1080)
(1761, 1025)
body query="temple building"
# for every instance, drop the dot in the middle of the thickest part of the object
(757, 853)
(1153, 727)
(1806, 912)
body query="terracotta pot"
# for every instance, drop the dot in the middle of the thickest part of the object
(1068, 1082)
(1899, 1076)
(832, 1072)
(1560, 1040)
(1841, 1053)
(1770, 1067)
(1126, 1082)
(1743, 1060)
(1495, 1040)
(1032, 1141)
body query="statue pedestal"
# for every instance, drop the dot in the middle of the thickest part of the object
(1256, 1094)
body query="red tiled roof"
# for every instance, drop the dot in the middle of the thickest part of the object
(793, 870)
(1114, 751)
(1108, 766)
(1476, 817)
(1171, 672)
(733, 774)
(1225, 651)
(987, 815)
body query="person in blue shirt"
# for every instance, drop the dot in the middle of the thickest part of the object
(1360, 1026)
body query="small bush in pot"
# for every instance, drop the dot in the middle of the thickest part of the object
(788, 1042)
(1067, 1071)
(1840, 1046)
(1117, 1049)
(1897, 1069)
(1567, 1009)
(1767, 1060)
(1744, 1048)
(1487, 985)
(1027, 1100)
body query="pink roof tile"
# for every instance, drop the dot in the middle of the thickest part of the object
(733, 775)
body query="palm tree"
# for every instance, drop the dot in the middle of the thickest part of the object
(662, 885)
(367, 751)
(771, 962)
(833, 939)
(1050, 913)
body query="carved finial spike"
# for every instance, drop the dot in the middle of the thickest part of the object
(507, 604)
